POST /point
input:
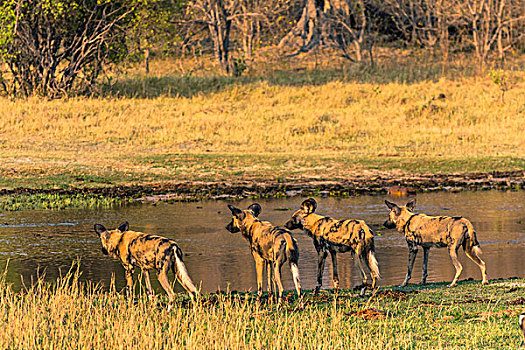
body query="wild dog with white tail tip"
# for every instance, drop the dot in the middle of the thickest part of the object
(270, 246)
(435, 231)
(336, 236)
(137, 249)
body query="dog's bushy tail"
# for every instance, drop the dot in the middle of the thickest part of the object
(374, 266)
(292, 253)
(472, 249)
(179, 269)
(471, 241)
(368, 251)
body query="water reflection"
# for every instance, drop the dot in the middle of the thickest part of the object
(49, 241)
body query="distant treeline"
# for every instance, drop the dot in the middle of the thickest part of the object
(54, 47)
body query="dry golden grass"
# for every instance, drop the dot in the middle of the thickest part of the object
(407, 120)
(460, 119)
(71, 315)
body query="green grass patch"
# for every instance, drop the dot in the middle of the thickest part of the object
(57, 201)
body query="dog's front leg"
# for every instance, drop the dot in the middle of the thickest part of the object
(426, 250)
(149, 290)
(335, 275)
(129, 281)
(321, 257)
(259, 267)
(412, 252)
(269, 269)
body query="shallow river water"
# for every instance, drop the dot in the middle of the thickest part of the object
(49, 241)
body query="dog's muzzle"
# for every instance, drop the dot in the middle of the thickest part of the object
(293, 224)
(231, 228)
(290, 225)
(389, 224)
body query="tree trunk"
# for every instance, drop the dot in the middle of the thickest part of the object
(220, 27)
(146, 59)
(329, 23)
(443, 34)
(306, 33)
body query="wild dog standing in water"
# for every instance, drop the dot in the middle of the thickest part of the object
(137, 249)
(336, 236)
(434, 231)
(270, 246)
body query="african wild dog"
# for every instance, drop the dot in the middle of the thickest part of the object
(270, 246)
(137, 249)
(331, 235)
(434, 231)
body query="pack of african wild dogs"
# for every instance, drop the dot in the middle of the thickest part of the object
(272, 246)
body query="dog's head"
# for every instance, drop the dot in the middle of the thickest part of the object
(398, 215)
(109, 239)
(242, 218)
(297, 220)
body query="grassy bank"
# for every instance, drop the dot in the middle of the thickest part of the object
(70, 314)
(57, 201)
(325, 124)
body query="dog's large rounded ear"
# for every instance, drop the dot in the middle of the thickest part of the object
(255, 208)
(309, 205)
(123, 227)
(411, 205)
(237, 212)
(99, 229)
(393, 207)
(390, 205)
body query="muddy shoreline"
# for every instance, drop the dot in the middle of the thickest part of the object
(357, 185)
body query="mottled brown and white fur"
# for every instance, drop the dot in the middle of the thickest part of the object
(148, 252)
(270, 245)
(435, 231)
(336, 236)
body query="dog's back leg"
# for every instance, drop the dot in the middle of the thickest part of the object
(149, 290)
(412, 253)
(277, 276)
(473, 253)
(453, 252)
(372, 265)
(360, 262)
(162, 276)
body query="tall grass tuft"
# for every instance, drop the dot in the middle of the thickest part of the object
(69, 314)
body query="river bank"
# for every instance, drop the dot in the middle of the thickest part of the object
(366, 184)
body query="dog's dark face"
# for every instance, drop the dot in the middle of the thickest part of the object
(107, 236)
(297, 219)
(239, 217)
(398, 214)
